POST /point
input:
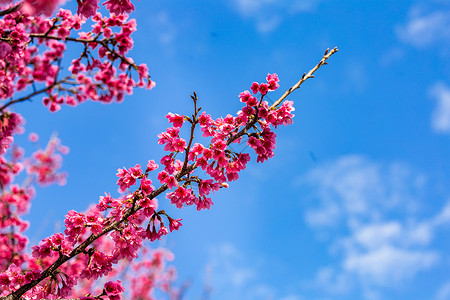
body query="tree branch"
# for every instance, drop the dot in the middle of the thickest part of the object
(25, 98)
(133, 209)
(306, 76)
(11, 9)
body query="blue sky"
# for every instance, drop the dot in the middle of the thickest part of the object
(356, 202)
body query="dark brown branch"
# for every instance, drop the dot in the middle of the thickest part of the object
(132, 210)
(25, 98)
(52, 37)
(306, 76)
(11, 9)
(194, 122)
(287, 93)
(103, 42)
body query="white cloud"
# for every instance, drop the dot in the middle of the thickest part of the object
(326, 216)
(378, 239)
(389, 252)
(268, 25)
(391, 55)
(424, 29)
(388, 265)
(235, 275)
(268, 14)
(354, 187)
(335, 282)
(291, 297)
(374, 235)
(444, 292)
(440, 121)
(251, 7)
(227, 261)
(443, 217)
(163, 27)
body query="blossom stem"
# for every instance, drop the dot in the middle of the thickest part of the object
(11, 9)
(25, 98)
(306, 76)
(185, 170)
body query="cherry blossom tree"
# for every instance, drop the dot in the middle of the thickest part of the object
(90, 258)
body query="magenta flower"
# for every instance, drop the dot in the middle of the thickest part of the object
(272, 77)
(263, 88)
(119, 6)
(255, 87)
(87, 8)
(113, 289)
(244, 96)
(151, 166)
(146, 186)
(174, 224)
(176, 119)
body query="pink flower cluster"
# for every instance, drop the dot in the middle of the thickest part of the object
(86, 8)
(101, 73)
(151, 272)
(118, 227)
(45, 163)
(143, 277)
(219, 162)
(14, 202)
(14, 277)
(54, 243)
(9, 124)
(38, 7)
(128, 178)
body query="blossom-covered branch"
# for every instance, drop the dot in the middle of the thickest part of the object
(102, 72)
(134, 217)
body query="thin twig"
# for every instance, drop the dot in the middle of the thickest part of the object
(132, 210)
(103, 42)
(11, 9)
(52, 37)
(287, 93)
(306, 76)
(25, 98)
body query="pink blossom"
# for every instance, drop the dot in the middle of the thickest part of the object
(113, 289)
(263, 88)
(255, 87)
(162, 176)
(146, 186)
(174, 224)
(5, 49)
(119, 6)
(37, 7)
(151, 166)
(162, 231)
(204, 120)
(244, 96)
(178, 145)
(33, 137)
(176, 119)
(87, 8)
(171, 182)
(272, 77)
(273, 85)
(252, 101)
(204, 204)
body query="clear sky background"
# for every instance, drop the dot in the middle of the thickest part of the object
(356, 202)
